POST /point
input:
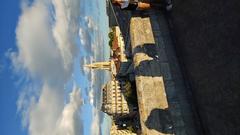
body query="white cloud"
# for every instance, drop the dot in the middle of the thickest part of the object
(95, 125)
(84, 61)
(91, 96)
(82, 35)
(69, 123)
(46, 35)
(26, 99)
(36, 43)
(50, 116)
(90, 23)
(46, 50)
(87, 33)
(85, 38)
(45, 112)
(66, 28)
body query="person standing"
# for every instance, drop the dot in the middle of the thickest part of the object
(131, 4)
(160, 4)
(143, 4)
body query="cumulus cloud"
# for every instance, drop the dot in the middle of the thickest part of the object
(90, 23)
(36, 44)
(95, 128)
(82, 35)
(45, 35)
(87, 33)
(86, 38)
(69, 122)
(66, 28)
(45, 112)
(47, 116)
(91, 96)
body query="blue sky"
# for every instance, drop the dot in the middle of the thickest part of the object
(10, 121)
(25, 82)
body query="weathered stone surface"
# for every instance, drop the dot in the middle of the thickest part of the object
(152, 100)
(141, 32)
(151, 94)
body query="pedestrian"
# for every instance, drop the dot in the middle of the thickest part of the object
(143, 4)
(160, 4)
(131, 4)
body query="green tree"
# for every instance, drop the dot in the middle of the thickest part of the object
(111, 36)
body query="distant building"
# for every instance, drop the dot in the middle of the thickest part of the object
(118, 45)
(116, 131)
(118, 53)
(114, 103)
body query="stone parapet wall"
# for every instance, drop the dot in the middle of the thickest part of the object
(151, 94)
(165, 103)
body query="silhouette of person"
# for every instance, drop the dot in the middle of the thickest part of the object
(143, 4)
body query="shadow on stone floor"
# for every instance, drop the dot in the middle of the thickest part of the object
(148, 67)
(160, 120)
